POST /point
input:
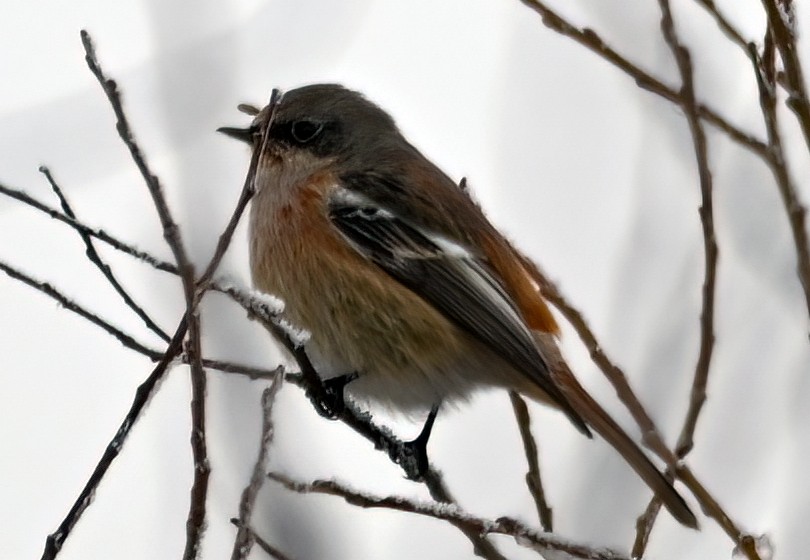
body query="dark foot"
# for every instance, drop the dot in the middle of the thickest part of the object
(331, 403)
(414, 458)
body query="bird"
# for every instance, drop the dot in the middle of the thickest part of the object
(411, 296)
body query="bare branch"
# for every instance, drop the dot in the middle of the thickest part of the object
(710, 250)
(710, 253)
(384, 440)
(713, 509)
(781, 23)
(271, 551)
(244, 537)
(96, 259)
(55, 541)
(70, 305)
(125, 339)
(171, 232)
(794, 208)
(724, 24)
(194, 291)
(644, 525)
(533, 480)
(195, 524)
(523, 534)
(591, 40)
(251, 372)
(84, 229)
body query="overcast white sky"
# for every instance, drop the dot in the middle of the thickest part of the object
(591, 176)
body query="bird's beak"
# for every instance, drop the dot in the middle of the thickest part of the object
(243, 134)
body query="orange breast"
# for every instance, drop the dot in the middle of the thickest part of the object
(356, 312)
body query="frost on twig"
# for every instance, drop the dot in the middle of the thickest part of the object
(521, 533)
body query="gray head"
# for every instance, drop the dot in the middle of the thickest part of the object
(325, 121)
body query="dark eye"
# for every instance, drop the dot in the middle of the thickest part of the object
(305, 131)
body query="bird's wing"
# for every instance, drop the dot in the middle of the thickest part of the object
(450, 277)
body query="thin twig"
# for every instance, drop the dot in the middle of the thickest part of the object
(248, 190)
(195, 524)
(84, 229)
(271, 550)
(533, 480)
(128, 341)
(724, 24)
(171, 232)
(683, 60)
(244, 537)
(523, 534)
(796, 211)
(55, 541)
(81, 311)
(196, 520)
(125, 339)
(710, 249)
(96, 259)
(781, 23)
(713, 509)
(251, 372)
(591, 40)
(126, 248)
(645, 523)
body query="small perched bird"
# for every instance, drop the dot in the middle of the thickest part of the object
(410, 294)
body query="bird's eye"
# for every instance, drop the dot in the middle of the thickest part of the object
(305, 131)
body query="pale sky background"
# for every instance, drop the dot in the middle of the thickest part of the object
(591, 176)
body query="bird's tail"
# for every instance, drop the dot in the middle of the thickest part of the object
(606, 427)
(598, 419)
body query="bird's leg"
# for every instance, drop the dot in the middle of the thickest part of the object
(414, 453)
(331, 403)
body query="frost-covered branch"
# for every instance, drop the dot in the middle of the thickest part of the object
(523, 534)
(94, 257)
